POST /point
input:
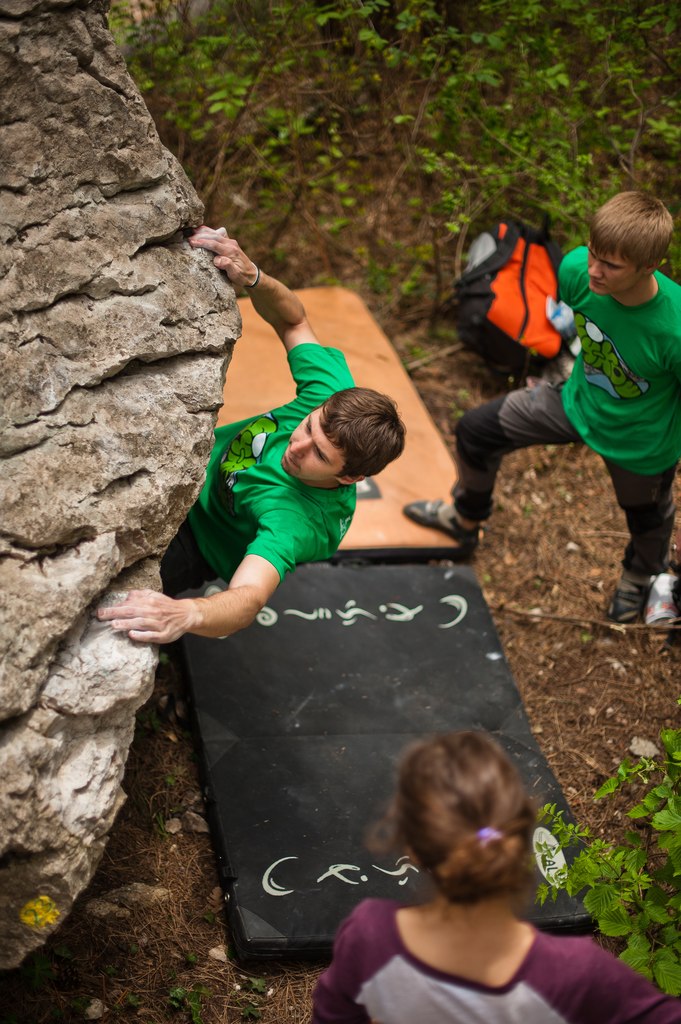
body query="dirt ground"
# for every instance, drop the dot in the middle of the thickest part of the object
(554, 545)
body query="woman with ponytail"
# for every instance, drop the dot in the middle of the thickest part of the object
(466, 956)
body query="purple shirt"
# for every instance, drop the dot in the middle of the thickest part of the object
(562, 980)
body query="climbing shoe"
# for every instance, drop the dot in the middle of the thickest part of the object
(629, 601)
(438, 515)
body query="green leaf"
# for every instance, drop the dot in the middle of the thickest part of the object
(634, 860)
(671, 741)
(615, 922)
(608, 787)
(639, 811)
(671, 842)
(542, 893)
(667, 820)
(600, 900)
(657, 914)
(637, 955)
(258, 985)
(651, 801)
(670, 935)
(38, 971)
(251, 1012)
(177, 996)
(193, 1001)
(667, 972)
(488, 77)
(63, 951)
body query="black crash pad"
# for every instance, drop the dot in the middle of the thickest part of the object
(301, 720)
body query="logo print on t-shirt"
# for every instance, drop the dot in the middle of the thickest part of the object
(343, 525)
(244, 451)
(603, 365)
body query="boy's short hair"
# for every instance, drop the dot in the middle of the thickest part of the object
(636, 226)
(367, 428)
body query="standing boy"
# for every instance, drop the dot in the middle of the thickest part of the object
(623, 397)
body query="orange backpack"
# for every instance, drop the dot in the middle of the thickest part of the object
(502, 297)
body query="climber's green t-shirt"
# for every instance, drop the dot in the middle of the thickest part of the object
(624, 393)
(249, 505)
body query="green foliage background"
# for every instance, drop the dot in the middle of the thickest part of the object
(376, 138)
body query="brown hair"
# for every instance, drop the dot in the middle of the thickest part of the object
(367, 428)
(633, 225)
(462, 812)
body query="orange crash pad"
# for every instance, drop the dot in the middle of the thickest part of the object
(258, 379)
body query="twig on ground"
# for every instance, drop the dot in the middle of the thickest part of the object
(580, 755)
(618, 627)
(604, 533)
(432, 356)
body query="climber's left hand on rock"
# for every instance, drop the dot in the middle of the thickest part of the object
(150, 617)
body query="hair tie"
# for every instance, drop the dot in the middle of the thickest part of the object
(486, 835)
(257, 278)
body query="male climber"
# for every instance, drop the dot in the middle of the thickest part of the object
(280, 487)
(623, 398)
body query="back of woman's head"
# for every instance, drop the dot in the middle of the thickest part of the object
(462, 811)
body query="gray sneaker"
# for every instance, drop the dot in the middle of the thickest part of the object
(438, 515)
(629, 601)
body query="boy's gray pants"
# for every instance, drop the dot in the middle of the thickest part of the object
(536, 416)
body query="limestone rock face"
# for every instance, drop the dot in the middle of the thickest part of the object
(114, 341)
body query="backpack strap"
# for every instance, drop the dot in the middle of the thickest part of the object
(505, 246)
(542, 236)
(523, 293)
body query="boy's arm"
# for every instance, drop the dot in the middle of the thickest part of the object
(153, 618)
(272, 300)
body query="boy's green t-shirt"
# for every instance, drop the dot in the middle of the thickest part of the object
(250, 505)
(624, 393)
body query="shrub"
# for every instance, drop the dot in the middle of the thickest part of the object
(632, 888)
(389, 132)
